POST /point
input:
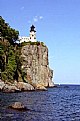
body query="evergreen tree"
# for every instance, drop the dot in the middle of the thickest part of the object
(8, 60)
(7, 32)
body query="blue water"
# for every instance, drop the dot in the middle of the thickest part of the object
(61, 103)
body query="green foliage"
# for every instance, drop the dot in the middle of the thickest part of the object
(12, 63)
(4, 76)
(7, 32)
(32, 43)
(9, 62)
(2, 56)
(11, 66)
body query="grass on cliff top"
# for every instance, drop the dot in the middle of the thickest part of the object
(32, 43)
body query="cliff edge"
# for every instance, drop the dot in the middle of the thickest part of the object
(35, 66)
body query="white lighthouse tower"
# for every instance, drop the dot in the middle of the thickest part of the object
(32, 34)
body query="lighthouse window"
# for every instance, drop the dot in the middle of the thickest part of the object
(32, 35)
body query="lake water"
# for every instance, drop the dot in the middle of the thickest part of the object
(61, 103)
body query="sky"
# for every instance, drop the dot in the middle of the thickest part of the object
(57, 24)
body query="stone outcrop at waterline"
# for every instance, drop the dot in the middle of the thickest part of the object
(15, 87)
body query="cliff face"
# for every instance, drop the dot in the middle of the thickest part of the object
(35, 66)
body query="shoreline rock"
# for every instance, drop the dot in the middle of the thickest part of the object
(2, 84)
(18, 106)
(10, 88)
(21, 86)
(24, 86)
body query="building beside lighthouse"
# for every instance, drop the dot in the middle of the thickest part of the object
(32, 36)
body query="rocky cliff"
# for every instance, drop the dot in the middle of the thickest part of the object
(35, 66)
(34, 69)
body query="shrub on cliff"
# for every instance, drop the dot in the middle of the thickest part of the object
(6, 32)
(11, 66)
(32, 43)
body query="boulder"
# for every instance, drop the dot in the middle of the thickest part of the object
(24, 86)
(18, 106)
(40, 87)
(2, 84)
(51, 84)
(16, 87)
(10, 88)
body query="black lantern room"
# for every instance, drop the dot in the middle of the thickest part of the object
(32, 28)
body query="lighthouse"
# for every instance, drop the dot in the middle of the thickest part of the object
(32, 34)
(31, 37)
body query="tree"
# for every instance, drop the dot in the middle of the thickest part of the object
(11, 66)
(8, 37)
(7, 32)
